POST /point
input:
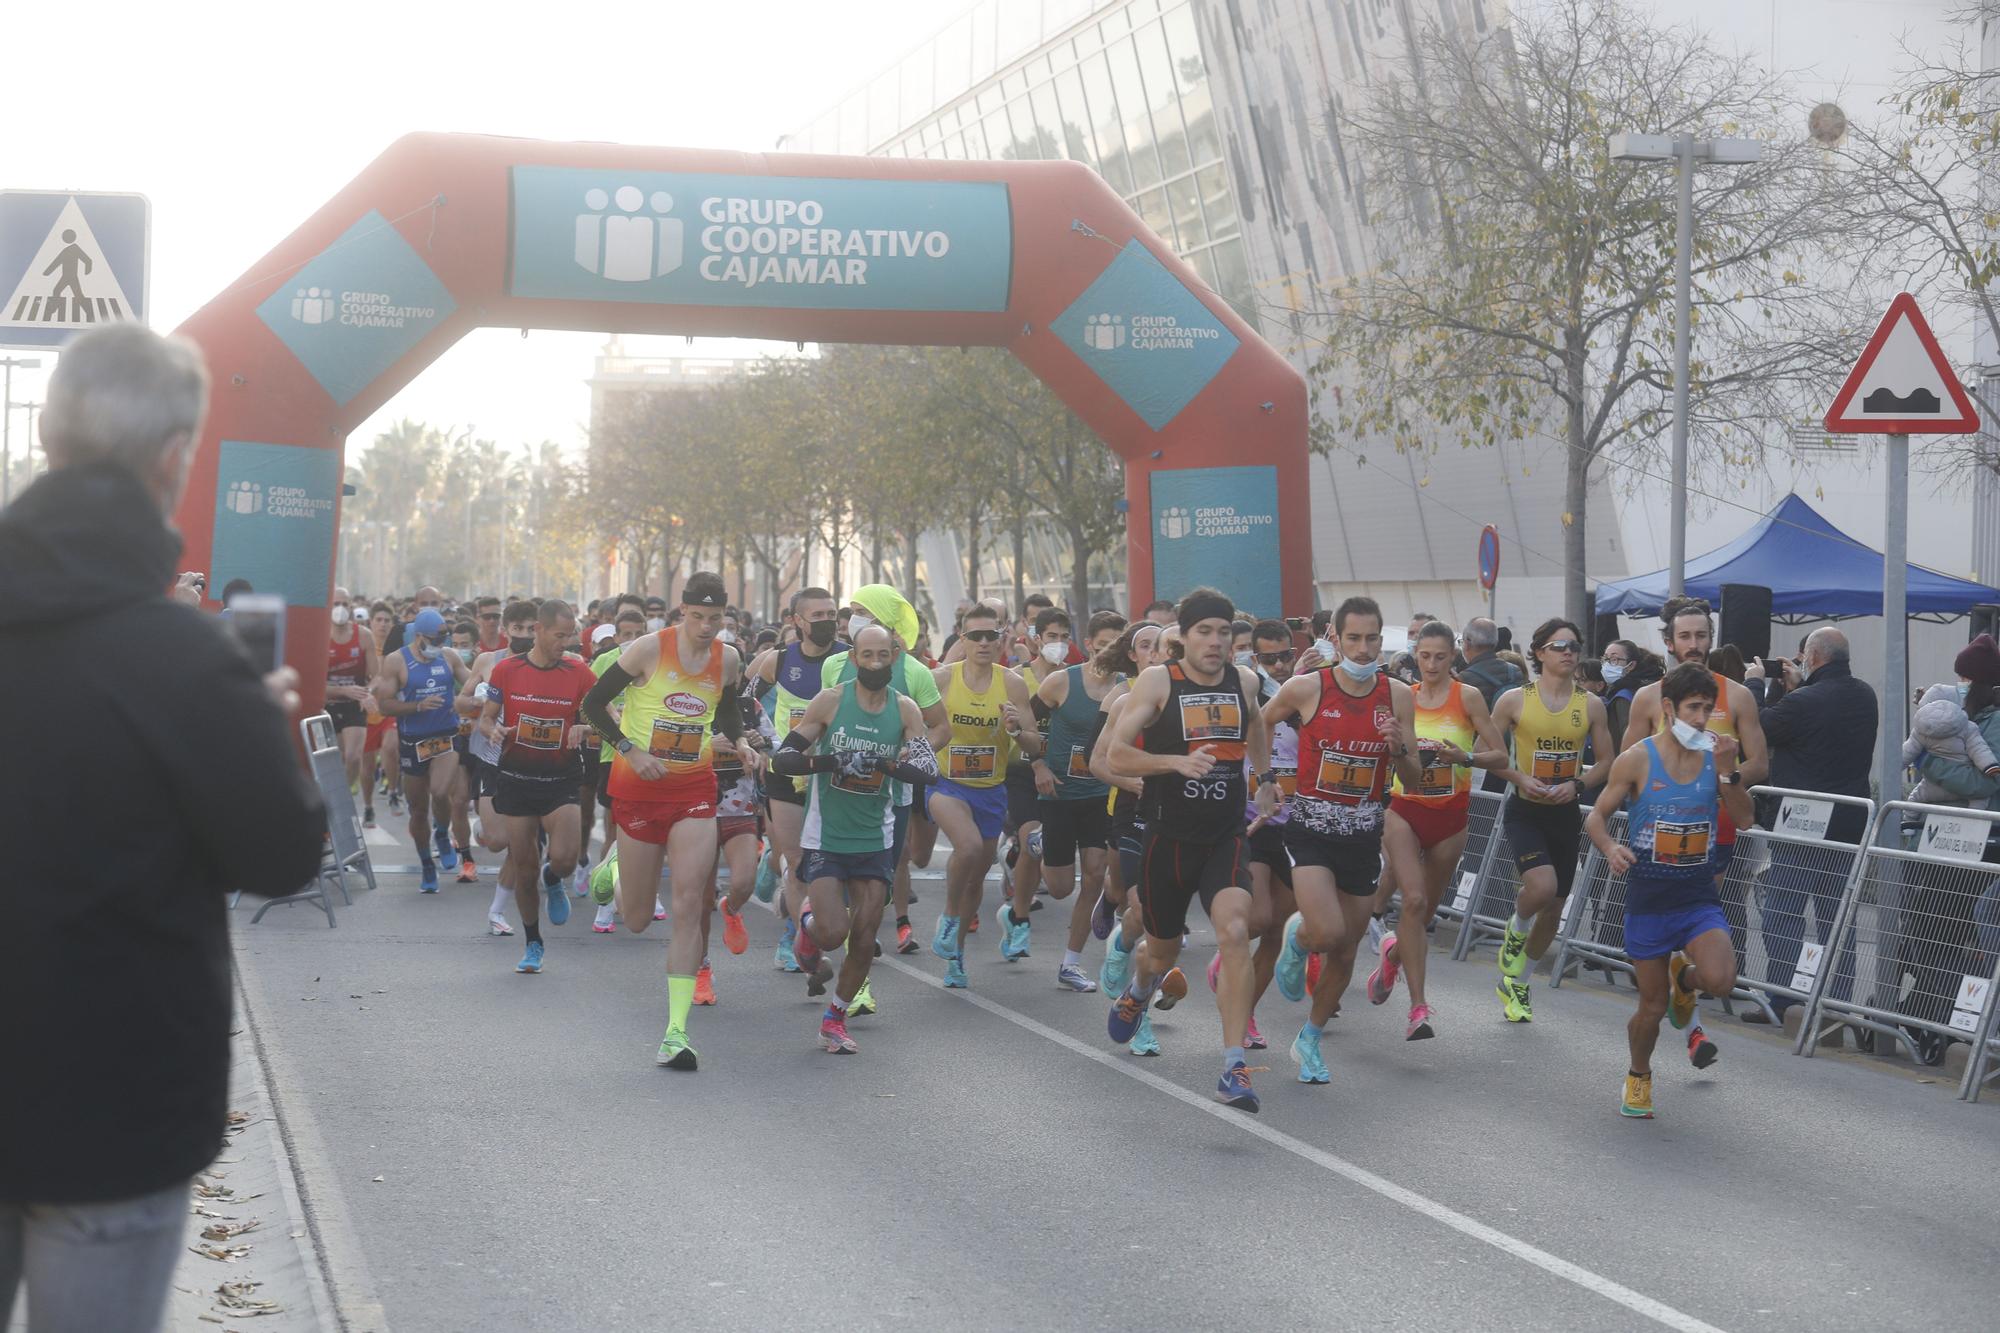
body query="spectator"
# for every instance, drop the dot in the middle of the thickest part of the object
(117, 989)
(1627, 668)
(1485, 670)
(1727, 662)
(1160, 611)
(233, 589)
(1821, 735)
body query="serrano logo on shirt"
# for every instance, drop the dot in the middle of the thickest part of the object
(687, 705)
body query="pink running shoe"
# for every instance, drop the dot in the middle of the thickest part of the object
(1382, 981)
(1214, 970)
(605, 929)
(833, 1035)
(1253, 1040)
(1420, 1024)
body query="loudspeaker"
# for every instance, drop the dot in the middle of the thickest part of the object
(1985, 620)
(1745, 619)
(1603, 633)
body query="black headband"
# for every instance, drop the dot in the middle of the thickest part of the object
(1205, 606)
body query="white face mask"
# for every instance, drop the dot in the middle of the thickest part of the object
(1361, 670)
(1613, 672)
(423, 649)
(1325, 648)
(656, 623)
(1246, 659)
(341, 615)
(727, 636)
(1693, 737)
(856, 623)
(1055, 654)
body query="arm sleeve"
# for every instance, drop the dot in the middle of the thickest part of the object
(597, 704)
(792, 761)
(1096, 731)
(729, 710)
(918, 764)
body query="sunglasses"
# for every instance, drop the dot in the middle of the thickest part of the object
(1275, 659)
(489, 615)
(981, 635)
(1563, 646)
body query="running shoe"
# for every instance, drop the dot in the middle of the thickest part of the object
(1233, 1088)
(1513, 951)
(864, 1001)
(1305, 1054)
(818, 973)
(1382, 981)
(1680, 1002)
(906, 939)
(954, 975)
(782, 957)
(659, 910)
(1071, 977)
(447, 854)
(766, 887)
(1013, 934)
(429, 883)
(1214, 971)
(1514, 1001)
(1638, 1097)
(972, 925)
(1117, 967)
(557, 899)
(1102, 917)
(704, 985)
(805, 948)
(531, 961)
(1173, 989)
(1420, 1023)
(1313, 965)
(603, 928)
(368, 817)
(1290, 973)
(833, 1035)
(1253, 1040)
(1143, 1040)
(1126, 1012)
(579, 880)
(395, 803)
(735, 935)
(604, 881)
(944, 942)
(468, 873)
(675, 1053)
(1701, 1051)
(497, 925)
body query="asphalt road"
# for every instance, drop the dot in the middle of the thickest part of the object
(486, 1150)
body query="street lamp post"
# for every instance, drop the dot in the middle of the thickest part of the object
(7, 364)
(1683, 150)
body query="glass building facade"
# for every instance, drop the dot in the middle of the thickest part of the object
(1118, 85)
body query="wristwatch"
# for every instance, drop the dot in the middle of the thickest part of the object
(1268, 778)
(1733, 779)
(623, 745)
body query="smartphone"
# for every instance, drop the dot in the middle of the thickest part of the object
(1295, 623)
(258, 621)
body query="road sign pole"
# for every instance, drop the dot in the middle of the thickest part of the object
(1683, 299)
(1895, 623)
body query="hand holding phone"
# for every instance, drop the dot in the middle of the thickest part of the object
(258, 621)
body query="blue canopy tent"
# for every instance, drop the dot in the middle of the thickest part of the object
(1813, 569)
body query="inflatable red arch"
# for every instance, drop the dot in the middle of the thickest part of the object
(444, 233)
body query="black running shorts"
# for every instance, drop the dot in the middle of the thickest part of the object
(1172, 874)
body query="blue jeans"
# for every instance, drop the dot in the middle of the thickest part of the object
(1792, 880)
(93, 1267)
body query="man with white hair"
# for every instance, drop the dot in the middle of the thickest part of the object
(117, 990)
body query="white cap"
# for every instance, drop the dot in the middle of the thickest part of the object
(601, 633)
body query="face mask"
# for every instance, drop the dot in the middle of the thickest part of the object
(821, 633)
(1963, 686)
(1246, 659)
(1613, 672)
(1055, 654)
(520, 643)
(423, 650)
(341, 615)
(1361, 670)
(1325, 648)
(727, 636)
(873, 678)
(1694, 738)
(856, 623)
(655, 623)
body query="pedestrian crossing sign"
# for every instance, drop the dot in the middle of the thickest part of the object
(71, 262)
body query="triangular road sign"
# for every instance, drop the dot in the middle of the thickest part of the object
(69, 284)
(1902, 385)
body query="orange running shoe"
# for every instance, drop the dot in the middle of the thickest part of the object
(467, 872)
(1173, 989)
(735, 935)
(1313, 962)
(704, 985)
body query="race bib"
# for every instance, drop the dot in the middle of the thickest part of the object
(678, 743)
(868, 784)
(970, 763)
(430, 747)
(1440, 776)
(793, 717)
(591, 740)
(1554, 765)
(1079, 762)
(1288, 782)
(539, 733)
(1350, 775)
(465, 726)
(1681, 844)
(1211, 717)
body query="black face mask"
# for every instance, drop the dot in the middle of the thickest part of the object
(518, 644)
(821, 632)
(873, 678)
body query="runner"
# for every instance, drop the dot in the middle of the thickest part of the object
(598, 640)
(739, 833)
(988, 710)
(482, 756)
(415, 686)
(1197, 725)
(1681, 784)
(492, 635)
(631, 623)
(381, 727)
(351, 663)
(532, 708)
(1356, 728)
(681, 689)
(1075, 814)
(1547, 721)
(1271, 899)
(860, 734)
(1424, 831)
(1046, 650)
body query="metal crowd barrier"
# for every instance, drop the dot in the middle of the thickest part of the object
(347, 847)
(1913, 912)
(1482, 828)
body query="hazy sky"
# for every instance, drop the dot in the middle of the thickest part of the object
(239, 119)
